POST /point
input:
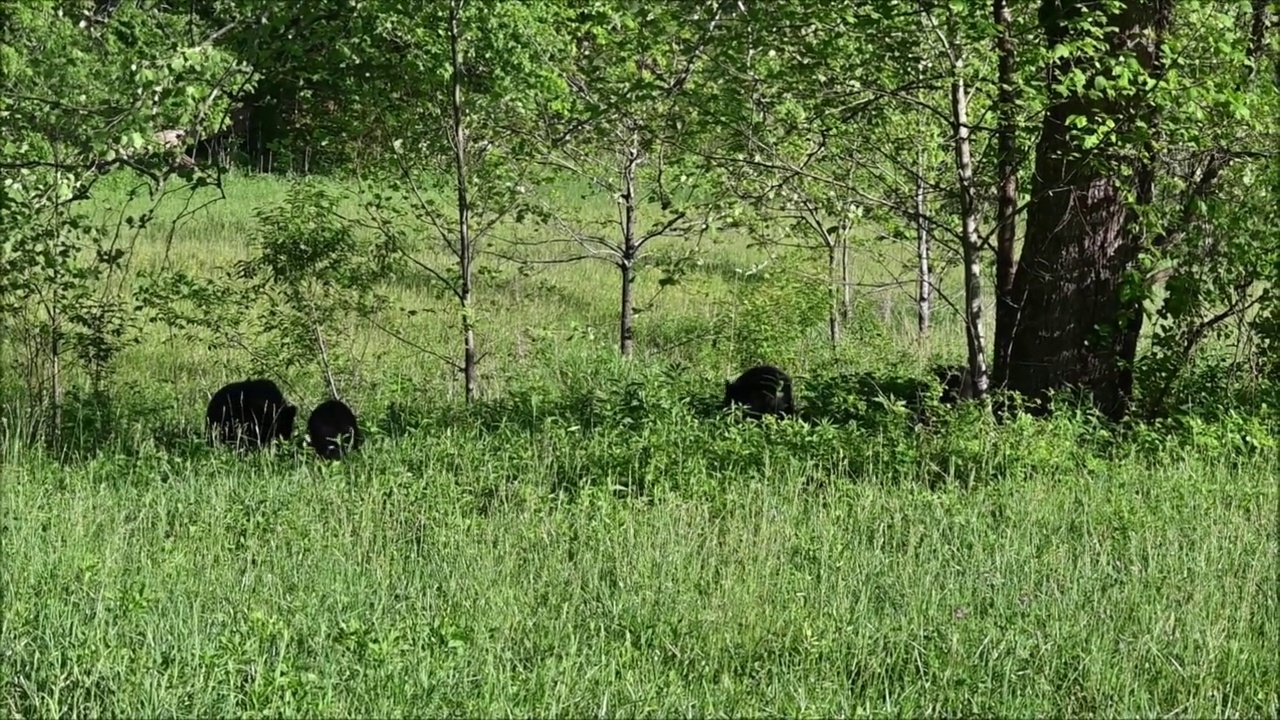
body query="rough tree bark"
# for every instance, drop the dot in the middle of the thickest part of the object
(1067, 328)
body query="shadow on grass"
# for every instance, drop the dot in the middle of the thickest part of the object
(129, 426)
(868, 400)
(635, 427)
(533, 410)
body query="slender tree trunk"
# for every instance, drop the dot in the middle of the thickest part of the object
(325, 367)
(975, 339)
(630, 250)
(1069, 330)
(466, 249)
(55, 372)
(846, 284)
(924, 275)
(833, 293)
(1007, 169)
(626, 320)
(924, 250)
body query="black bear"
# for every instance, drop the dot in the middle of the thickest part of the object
(332, 430)
(762, 390)
(250, 414)
(956, 383)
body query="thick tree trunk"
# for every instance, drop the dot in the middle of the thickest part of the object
(1069, 328)
(1007, 171)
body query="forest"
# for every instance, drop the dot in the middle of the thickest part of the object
(1016, 259)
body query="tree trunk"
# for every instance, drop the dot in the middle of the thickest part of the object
(1068, 329)
(325, 367)
(1007, 171)
(833, 293)
(627, 314)
(630, 249)
(466, 251)
(975, 338)
(55, 371)
(924, 251)
(924, 277)
(846, 285)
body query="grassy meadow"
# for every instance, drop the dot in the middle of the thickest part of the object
(590, 540)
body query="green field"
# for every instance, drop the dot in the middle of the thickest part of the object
(587, 540)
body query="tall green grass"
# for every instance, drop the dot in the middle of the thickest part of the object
(590, 539)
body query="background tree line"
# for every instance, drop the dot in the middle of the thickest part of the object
(1105, 169)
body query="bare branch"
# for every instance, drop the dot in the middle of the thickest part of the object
(432, 353)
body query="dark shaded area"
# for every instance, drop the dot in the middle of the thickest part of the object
(632, 430)
(956, 382)
(101, 425)
(670, 395)
(870, 399)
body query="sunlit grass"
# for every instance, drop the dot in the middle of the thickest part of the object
(588, 541)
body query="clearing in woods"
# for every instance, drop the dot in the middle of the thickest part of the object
(587, 542)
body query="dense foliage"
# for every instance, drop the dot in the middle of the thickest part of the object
(765, 118)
